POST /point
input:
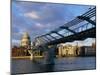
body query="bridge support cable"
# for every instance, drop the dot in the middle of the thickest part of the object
(63, 27)
(90, 33)
(73, 22)
(57, 33)
(41, 39)
(37, 41)
(91, 15)
(90, 12)
(52, 36)
(47, 38)
(87, 19)
(88, 15)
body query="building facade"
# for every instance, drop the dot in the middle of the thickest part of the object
(67, 50)
(19, 51)
(87, 51)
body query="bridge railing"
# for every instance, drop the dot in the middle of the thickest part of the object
(65, 33)
(84, 27)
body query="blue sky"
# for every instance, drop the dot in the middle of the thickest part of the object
(40, 18)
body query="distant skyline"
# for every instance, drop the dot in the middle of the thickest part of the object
(40, 18)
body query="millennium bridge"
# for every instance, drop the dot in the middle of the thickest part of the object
(79, 28)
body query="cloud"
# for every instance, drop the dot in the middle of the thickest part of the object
(15, 42)
(39, 18)
(39, 25)
(32, 14)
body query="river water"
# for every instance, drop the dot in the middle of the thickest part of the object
(61, 64)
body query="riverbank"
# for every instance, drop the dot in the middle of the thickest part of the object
(25, 57)
(39, 57)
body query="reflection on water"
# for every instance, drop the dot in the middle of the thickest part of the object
(49, 68)
(61, 64)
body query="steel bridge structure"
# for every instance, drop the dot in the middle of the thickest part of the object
(80, 28)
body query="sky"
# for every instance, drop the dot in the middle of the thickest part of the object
(41, 18)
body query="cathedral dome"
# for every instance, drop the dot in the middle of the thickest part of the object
(25, 41)
(26, 36)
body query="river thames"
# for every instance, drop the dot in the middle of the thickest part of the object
(20, 66)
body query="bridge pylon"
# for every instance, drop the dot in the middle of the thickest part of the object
(50, 55)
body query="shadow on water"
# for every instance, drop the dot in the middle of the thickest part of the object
(40, 67)
(49, 67)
